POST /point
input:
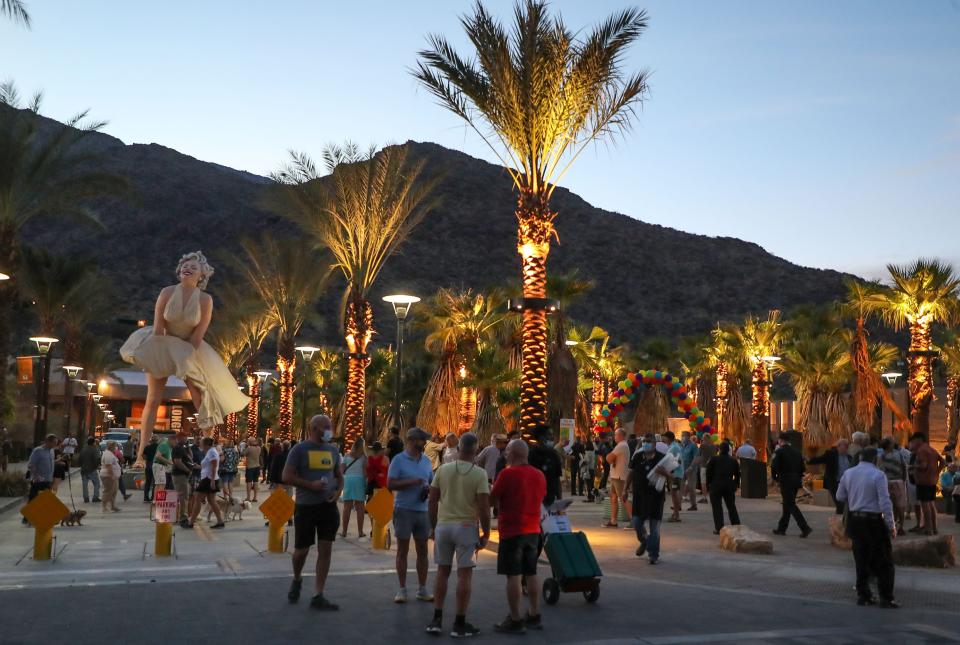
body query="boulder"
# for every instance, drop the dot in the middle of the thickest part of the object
(837, 536)
(741, 539)
(936, 551)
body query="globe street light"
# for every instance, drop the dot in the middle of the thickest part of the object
(45, 347)
(83, 417)
(253, 408)
(891, 378)
(401, 308)
(73, 372)
(307, 352)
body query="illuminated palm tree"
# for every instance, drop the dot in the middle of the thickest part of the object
(43, 174)
(537, 96)
(923, 294)
(362, 212)
(288, 278)
(16, 11)
(457, 324)
(950, 355)
(752, 347)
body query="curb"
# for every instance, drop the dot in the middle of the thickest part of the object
(10, 503)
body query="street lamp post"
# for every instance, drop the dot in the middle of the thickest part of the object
(82, 435)
(891, 379)
(73, 372)
(253, 409)
(45, 347)
(769, 362)
(307, 353)
(401, 308)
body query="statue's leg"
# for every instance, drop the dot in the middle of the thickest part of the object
(196, 395)
(155, 388)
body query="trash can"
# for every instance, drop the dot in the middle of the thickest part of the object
(753, 479)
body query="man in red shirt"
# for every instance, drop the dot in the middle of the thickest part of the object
(926, 471)
(518, 492)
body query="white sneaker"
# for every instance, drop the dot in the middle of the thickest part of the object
(401, 596)
(424, 595)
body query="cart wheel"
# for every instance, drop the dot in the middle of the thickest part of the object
(551, 591)
(591, 595)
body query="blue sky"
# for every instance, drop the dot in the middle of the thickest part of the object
(827, 132)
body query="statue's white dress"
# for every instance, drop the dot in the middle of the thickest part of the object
(173, 355)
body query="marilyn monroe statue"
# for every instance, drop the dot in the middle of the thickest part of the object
(174, 346)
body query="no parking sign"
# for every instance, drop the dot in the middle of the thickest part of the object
(165, 506)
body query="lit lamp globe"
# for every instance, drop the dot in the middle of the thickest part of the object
(307, 352)
(263, 374)
(891, 377)
(44, 343)
(3, 276)
(401, 304)
(73, 371)
(770, 361)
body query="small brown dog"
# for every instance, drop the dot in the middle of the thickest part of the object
(73, 518)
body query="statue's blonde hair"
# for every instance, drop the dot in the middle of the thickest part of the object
(206, 270)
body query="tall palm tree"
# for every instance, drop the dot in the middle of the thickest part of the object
(279, 273)
(45, 172)
(362, 213)
(457, 324)
(950, 356)
(818, 366)
(326, 372)
(923, 294)
(537, 96)
(16, 10)
(752, 344)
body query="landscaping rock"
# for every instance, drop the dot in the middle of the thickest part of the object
(837, 536)
(741, 539)
(936, 551)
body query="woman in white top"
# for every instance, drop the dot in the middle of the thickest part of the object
(109, 477)
(450, 452)
(208, 486)
(174, 346)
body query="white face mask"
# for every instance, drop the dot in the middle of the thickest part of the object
(327, 435)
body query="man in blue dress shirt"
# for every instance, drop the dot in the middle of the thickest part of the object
(870, 525)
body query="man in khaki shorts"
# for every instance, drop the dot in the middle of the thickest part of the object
(619, 460)
(459, 494)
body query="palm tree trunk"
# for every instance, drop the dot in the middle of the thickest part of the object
(953, 418)
(358, 326)
(721, 401)
(488, 421)
(286, 364)
(253, 407)
(467, 397)
(920, 381)
(440, 406)
(533, 375)
(759, 409)
(8, 298)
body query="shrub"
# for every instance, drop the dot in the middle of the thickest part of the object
(13, 484)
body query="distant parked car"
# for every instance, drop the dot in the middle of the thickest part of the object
(120, 435)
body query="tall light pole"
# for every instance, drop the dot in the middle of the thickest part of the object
(82, 435)
(891, 378)
(769, 362)
(45, 348)
(401, 308)
(253, 408)
(73, 372)
(307, 353)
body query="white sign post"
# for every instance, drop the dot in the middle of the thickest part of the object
(567, 427)
(165, 506)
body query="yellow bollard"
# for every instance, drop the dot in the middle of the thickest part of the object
(163, 540)
(275, 536)
(380, 508)
(42, 543)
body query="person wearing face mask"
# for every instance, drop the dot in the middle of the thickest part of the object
(543, 456)
(313, 466)
(409, 476)
(647, 500)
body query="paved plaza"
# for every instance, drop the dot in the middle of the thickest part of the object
(106, 586)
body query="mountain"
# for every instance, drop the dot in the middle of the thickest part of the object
(651, 280)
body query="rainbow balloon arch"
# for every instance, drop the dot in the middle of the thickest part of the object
(637, 382)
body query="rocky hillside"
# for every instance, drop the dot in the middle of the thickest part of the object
(651, 280)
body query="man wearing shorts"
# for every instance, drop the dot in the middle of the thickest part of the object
(208, 486)
(460, 494)
(313, 467)
(926, 472)
(619, 459)
(409, 476)
(518, 493)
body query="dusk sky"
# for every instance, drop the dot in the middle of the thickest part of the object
(827, 132)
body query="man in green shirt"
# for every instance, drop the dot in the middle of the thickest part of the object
(459, 496)
(163, 465)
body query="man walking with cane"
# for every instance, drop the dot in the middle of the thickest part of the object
(870, 526)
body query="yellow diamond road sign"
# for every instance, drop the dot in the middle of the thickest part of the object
(380, 506)
(45, 510)
(278, 507)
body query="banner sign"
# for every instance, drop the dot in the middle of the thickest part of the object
(24, 370)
